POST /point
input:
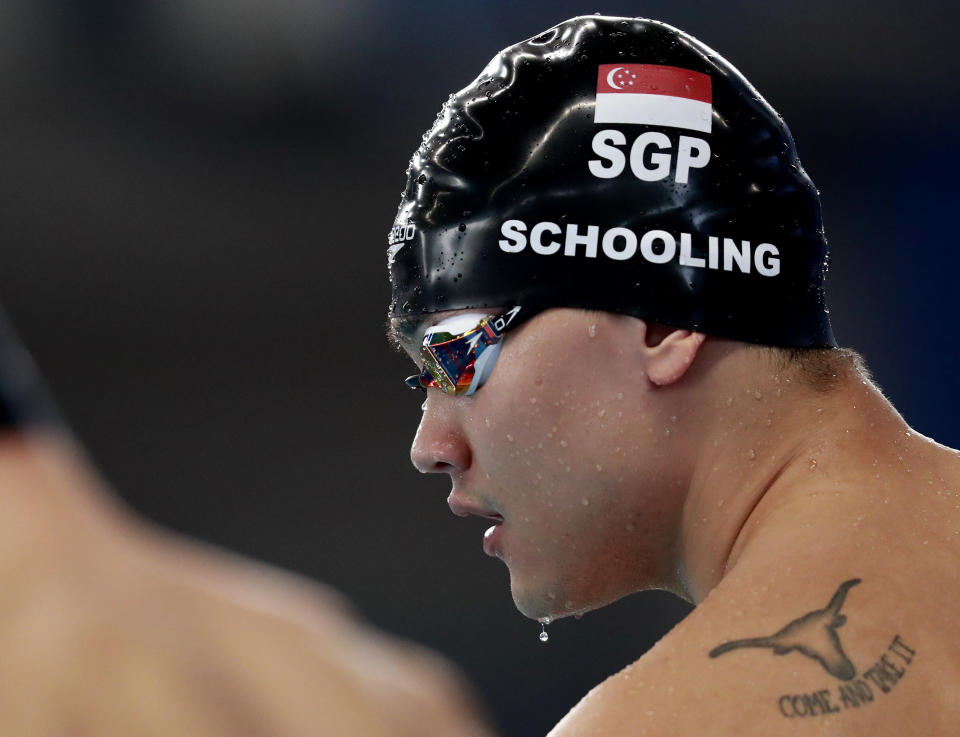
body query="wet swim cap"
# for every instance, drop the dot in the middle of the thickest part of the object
(615, 164)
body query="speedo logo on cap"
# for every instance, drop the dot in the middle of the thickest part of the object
(653, 95)
(399, 234)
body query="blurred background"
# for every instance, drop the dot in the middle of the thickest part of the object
(195, 201)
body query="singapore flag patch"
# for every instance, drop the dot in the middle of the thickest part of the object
(652, 94)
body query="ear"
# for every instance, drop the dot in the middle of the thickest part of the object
(671, 357)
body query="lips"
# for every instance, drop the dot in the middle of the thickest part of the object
(492, 540)
(466, 507)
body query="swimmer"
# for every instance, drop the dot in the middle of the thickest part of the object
(608, 269)
(110, 626)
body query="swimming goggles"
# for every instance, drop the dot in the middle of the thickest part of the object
(459, 353)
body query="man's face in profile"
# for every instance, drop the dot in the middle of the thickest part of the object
(557, 450)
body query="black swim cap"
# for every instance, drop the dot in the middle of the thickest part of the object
(615, 164)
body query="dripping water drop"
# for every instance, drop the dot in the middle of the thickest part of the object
(543, 629)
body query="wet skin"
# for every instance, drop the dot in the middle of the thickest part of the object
(544, 446)
(762, 500)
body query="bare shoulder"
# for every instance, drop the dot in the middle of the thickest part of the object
(164, 636)
(814, 642)
(299, 647)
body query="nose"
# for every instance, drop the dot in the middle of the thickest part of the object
(440, 445)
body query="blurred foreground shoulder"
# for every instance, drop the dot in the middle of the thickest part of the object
(110, 626)
(295, 648)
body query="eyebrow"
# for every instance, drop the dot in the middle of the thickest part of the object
(405, 333)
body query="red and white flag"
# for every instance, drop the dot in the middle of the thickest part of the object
(652, 94)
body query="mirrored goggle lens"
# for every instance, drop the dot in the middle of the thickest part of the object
(450, 360)
(450, 354)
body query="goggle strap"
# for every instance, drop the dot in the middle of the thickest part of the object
(501, 322)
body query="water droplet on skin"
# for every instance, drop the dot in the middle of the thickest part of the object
(673, 418)
(584, 501)
(563, 443)
(629, 527)
(720, 504)
(423, 407)
(813, 463)
(729, 401)
(599, 467)
(752, 454)
(592, 331)
(619, 395)
(551, 595)
(509, 437)
(533, 400)
(601, 413)
(758, 394)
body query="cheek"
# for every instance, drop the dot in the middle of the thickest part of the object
(571, 427)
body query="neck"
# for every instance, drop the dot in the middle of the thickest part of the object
(770, 442)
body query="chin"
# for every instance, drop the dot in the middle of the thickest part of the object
(557, 599)
(553, 602)
(535, 601)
